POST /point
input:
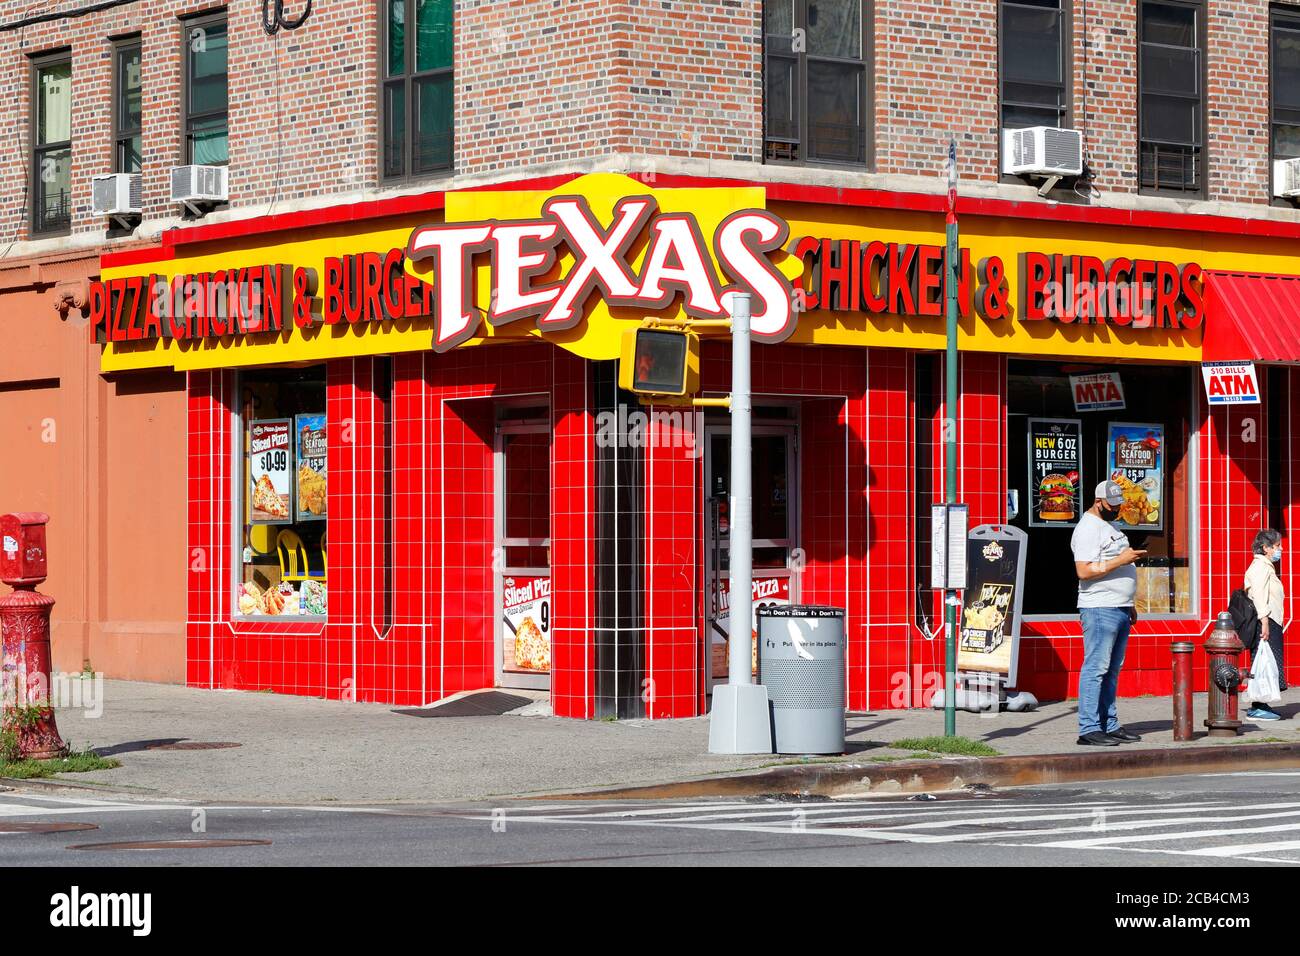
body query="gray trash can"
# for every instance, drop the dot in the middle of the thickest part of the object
(801, 662)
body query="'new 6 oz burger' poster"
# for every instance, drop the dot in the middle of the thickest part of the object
(1055, 472)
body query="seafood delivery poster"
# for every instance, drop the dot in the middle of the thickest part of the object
(270, 456)
(310, 433)
(1055, 472)
(1136, 462)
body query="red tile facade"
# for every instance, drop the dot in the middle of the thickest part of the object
(412, 604)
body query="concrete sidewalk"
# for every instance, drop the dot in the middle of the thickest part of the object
(298, 749)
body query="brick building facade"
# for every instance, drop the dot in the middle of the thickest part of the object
(673, 94)
(545, 86)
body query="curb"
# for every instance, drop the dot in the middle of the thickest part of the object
(954, 773)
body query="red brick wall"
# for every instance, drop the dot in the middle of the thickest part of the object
(545, 83)
(936, 75)
(318, 135)
(1104, 92)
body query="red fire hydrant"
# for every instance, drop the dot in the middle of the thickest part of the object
(25, 636)
(1226, 677)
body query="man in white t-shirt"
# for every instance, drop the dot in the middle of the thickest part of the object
(1104, 561)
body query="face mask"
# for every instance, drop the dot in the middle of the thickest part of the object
(1109, 513)
(1277, 555)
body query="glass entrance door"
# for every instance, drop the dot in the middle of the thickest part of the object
(774, 480)
(522, 553)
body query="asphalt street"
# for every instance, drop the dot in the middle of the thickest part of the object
(1204, 820)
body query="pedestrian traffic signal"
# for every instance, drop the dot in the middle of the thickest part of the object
(660, 361)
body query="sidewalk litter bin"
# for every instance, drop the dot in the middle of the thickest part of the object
(801, 662)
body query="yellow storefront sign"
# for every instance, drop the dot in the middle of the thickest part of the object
(580, 264)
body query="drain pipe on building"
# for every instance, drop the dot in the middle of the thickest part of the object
(739, 722)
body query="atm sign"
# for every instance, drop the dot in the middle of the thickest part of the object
(1230, 383)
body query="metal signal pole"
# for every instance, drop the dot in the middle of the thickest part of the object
(950, 442)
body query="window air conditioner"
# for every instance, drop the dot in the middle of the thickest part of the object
(1042, 151)
(116, 194)
(1286, 178)
(199, 184)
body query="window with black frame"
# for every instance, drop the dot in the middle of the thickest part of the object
(207, 98)
(52, 144)
(127, 116)
(1285, 84)
(815, 81)
(1071, 425)
(416, 89)
(1170, 96)
(1034, 63)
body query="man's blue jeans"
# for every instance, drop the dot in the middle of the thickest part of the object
(1105, 635)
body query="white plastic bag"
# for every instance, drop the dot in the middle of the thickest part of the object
(1263, 687)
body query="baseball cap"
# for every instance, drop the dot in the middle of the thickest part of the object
(1111, 492)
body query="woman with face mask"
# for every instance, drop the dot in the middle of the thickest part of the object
(1265, 589)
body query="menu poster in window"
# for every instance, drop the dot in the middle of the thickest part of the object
(766, 591)
(309, 431)
(988, 634)
(526, 630)
(270, 455)
(1135, 462)
(1055, 472)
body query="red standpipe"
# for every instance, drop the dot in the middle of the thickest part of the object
(1182, 655)
(25, 637)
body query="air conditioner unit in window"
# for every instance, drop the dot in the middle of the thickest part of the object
(117, 195)
(1286, 178)
(193, 186)
(1044, 151)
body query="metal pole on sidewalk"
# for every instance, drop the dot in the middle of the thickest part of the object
(740, 722)
(741, 609)
(950, 436)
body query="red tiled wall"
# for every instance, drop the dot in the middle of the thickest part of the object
(249, 655)
(890, 566)
(831, 384)
(1230, 506)
(674, 570)
(573, 536)
(359, 651)
(437, 637)
(1291, 516)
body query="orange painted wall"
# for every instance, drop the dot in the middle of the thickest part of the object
(105, 458)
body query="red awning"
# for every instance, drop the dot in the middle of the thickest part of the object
(1251, 317)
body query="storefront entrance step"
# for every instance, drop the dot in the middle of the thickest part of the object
(847, 778)
(484, 703)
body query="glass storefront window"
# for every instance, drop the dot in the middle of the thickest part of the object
(1056, 455)
(281, 480)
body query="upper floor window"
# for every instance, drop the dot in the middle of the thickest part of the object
(1034, 63)
(206, 92)
(416, 87)
(815, 82)
(1170, 96)
(1285, 63)
(52, 144)
(126, 107)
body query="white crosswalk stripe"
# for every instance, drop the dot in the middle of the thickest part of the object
(1206, 827)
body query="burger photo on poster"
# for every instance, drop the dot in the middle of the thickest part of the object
(1056, 497)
